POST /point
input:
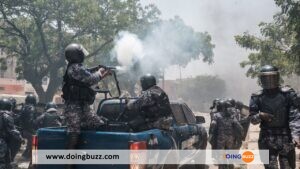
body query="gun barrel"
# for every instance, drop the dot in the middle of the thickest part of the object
(111, 67)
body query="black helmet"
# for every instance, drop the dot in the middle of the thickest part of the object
(269, 77)
(231, 102)
(5, 104)
(239, 105)
(75, 53)
(30, 99)
(13, 102)
(220, 105)
(50, 105)
(223, 107)
(215, 103)
(147, 81)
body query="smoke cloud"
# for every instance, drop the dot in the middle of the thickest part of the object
(167, 43)
(128, 49)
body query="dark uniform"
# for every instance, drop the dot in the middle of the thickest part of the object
(153, 106)
(225, 129)
(78, 95)
(9, 136)
(276, 109)
(27, 119)
(50, 118)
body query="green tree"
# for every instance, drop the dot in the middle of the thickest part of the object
(37, 31)
(279, 44)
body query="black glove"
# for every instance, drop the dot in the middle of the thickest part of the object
(266, 116)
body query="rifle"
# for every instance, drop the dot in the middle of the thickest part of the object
(96, 68)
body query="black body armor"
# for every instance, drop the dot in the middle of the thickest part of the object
(76, 91)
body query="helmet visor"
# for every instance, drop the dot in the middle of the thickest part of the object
(269, 80)
(84, 51)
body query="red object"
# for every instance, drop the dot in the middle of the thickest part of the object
(34, 142)
(141, 145)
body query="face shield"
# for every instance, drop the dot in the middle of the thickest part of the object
(84, 51)
(269, 80)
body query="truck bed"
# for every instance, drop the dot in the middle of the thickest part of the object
(55, 138)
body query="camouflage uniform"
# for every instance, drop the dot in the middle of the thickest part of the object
(78, 96)
(276, 135)
(26, 120)
(226, 130)
(154, 109)
(8, 134)
(50, 118)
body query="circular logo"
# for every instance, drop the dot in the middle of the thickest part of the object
(248, 157)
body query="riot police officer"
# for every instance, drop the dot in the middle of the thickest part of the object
(10, 137)
(153, 106)
(78, 95)
(276, 109)
(50, 105)
(26, 119)
(224, 129)
(50, 118)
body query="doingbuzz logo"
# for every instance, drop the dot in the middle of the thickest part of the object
(247, 156)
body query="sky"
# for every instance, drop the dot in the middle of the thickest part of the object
(222, 19)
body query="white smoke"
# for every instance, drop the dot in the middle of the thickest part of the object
(128, 49)
(163, 45)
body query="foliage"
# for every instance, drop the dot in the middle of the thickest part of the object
(37, 31)
(279, 44)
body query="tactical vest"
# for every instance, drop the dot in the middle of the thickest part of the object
(77, 91)
(27, 117)
(51, 120)
(276, 105)
(161, 108)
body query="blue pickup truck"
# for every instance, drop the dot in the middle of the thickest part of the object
(186, 132)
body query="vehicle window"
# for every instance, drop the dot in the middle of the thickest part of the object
(191, 119)
(178, 114)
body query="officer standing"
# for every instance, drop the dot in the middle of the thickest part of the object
(50, 118)
(277, 111)
(224, 129)
(26, 119)
(153, 106)
(10, 137)
(78, 95)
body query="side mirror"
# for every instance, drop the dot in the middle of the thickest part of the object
(200, 119)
